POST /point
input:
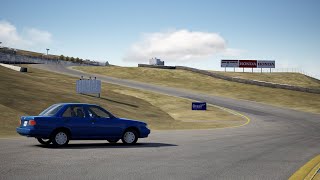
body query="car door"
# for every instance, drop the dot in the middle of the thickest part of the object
(79, 123)
(104, 124)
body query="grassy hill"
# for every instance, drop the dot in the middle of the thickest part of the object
(295, 79)
(29, 53)
(200, 83)
(30, 93)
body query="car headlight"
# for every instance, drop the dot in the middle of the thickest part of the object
(146, 125)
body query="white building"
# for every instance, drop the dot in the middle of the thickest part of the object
(156, 61)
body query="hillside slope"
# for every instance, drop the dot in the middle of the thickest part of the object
(30, 93)
(295, 79)
(209, 85)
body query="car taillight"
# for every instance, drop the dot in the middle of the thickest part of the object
(32, 122)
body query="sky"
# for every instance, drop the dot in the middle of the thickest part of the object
(192, 33)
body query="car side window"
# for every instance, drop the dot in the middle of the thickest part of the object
(74, 111)
(95, 112)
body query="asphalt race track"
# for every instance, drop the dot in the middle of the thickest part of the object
(273, 145)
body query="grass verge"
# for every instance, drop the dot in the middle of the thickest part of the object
(180, 110)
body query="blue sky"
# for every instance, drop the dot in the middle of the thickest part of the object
(129, 32)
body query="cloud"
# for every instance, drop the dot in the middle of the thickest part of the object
(233, 52)
(8, 33)
(37, 36)
(28, 38)
(179, 45)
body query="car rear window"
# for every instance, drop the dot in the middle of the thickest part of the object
(52, 110)
(74, 111)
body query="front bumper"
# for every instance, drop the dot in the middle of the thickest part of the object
(144, 132)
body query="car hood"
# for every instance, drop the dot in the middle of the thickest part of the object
(132, 121)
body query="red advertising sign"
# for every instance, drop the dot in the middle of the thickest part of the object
(248, 63)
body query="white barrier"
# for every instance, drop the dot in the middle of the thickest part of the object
(16, 68)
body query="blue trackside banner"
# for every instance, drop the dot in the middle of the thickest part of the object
(199, 106)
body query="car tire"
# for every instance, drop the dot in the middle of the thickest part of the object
(60, 138)
(113, 141)
(130, 136)
(44, 141)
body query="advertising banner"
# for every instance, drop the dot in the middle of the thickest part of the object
(88, 86)
(266, 64)
(247, 63)
(199, 106)
(229, 63)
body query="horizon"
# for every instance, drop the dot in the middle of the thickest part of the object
(180, 33)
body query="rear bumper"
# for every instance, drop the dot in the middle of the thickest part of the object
(32, 132)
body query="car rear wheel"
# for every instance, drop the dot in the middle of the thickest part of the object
(130, 137)
(44, 141)
(60, 138)
(112, 140)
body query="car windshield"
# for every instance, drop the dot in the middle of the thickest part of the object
(52, 110)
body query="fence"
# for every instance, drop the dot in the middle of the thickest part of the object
(156, 66)
(267, 70)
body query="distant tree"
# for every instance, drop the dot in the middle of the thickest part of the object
(77, 60)
(61, 57)
(67, 58)
(107, 63)
(72, 59)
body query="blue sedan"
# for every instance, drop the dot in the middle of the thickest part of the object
(74, 121)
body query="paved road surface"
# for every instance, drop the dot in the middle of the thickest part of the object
(273, 146)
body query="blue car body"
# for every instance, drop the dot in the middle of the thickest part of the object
(84, 127)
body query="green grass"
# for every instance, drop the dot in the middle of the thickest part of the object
(295, 79)
(30, 93)
(200, 83)
(180, 110)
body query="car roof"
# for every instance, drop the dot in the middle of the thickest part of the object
(77, 104)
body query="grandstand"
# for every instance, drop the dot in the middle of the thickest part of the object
(17, 56)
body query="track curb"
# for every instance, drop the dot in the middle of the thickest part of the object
(308, 171)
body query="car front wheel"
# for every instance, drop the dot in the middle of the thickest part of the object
(44, 141)
(60, 138)
(130, 137)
